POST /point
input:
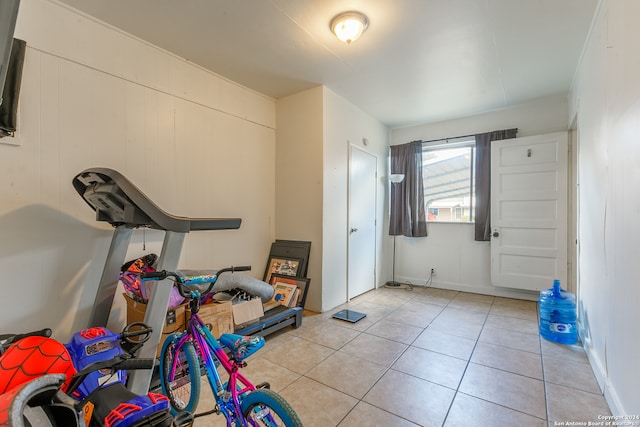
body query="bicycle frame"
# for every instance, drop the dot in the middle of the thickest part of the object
(238, 394)
(209, 350)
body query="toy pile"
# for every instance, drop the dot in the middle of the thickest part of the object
(135, 288)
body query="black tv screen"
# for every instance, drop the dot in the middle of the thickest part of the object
(8, 18)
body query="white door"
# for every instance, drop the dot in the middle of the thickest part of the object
(529, 211)
(362, 222)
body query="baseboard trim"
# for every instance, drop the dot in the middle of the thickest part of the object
(484, 290)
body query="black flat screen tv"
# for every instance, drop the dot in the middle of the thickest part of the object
(8, 18)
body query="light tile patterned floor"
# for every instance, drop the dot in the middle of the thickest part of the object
(427, 357)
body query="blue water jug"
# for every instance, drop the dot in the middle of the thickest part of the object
(557, 309)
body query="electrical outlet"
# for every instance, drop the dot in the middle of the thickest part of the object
(433, 271)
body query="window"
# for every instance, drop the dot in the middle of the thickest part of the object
(448, 178)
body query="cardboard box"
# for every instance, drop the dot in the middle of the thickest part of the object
(217, 316)
(174, 321)
(247, 311)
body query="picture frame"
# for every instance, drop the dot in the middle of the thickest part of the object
(301, 282)
(283, 266)
(298, 249)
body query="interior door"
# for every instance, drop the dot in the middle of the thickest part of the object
(362, 222)
(529, 211)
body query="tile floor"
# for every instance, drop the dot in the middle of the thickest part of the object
(427, 357)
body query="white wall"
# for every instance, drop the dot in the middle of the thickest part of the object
(344, 125)
(460, 262)
(196, 144)
(605, 101)
(299, 180)
(315, 130)
(545, 115)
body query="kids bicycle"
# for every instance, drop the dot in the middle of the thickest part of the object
(237, 399)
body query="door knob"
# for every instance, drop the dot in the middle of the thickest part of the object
(495, 233)
(353, 230)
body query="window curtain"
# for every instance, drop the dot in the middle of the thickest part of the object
(11, 90)
(407, 214)
(483, 180)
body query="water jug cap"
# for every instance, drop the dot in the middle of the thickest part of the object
(556, 287)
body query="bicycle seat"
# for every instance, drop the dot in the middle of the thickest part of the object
(241, 346)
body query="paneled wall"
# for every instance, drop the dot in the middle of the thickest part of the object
(606, 107)
(195, 143)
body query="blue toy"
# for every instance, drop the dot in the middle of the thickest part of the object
(106, 400)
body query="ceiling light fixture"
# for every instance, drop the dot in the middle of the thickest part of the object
(349, 26)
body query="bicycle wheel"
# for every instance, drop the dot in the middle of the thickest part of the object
(182, 385)
(267, 408)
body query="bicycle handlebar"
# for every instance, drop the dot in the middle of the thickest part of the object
(160, 275)
(163, 274)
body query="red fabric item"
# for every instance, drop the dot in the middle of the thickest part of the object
(5, 403)
(33, 357)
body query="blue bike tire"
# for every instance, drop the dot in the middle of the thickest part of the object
(184, 395)
(274, 407)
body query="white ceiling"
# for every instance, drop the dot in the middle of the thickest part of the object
(419, 61)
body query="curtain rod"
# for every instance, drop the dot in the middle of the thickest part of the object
(447, 139)
(463, 136)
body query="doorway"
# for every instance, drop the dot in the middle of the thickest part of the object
(529, 211)
(574, 202)
(361, 233)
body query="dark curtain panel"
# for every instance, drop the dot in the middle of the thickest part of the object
(11, 91)
(407, 216)
(483, 180)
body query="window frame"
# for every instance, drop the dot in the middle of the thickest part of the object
(458, 213)
(448, 144)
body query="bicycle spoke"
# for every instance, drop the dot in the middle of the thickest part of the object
(262, 416)
(266, 408)
(180, 376)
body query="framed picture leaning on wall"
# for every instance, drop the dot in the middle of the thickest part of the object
(282, 266)
(301, 283)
